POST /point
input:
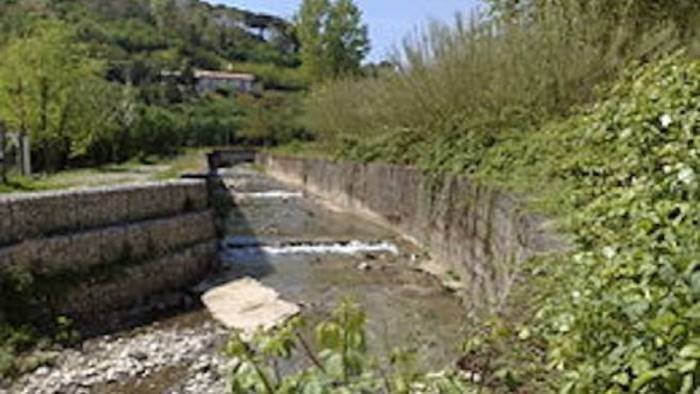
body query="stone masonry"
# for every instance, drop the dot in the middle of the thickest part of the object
(109, 249)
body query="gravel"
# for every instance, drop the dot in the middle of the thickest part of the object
(134, 359)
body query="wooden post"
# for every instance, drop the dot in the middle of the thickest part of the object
(3, 158)
(25, 153)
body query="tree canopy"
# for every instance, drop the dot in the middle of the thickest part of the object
(49, 86)
(334, 40)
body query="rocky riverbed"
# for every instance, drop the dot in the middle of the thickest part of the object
(178, 357)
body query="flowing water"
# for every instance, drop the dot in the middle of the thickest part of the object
(313, 256)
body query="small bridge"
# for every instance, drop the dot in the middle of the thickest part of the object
(230, 158)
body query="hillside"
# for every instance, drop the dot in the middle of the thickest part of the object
(119, 52)
(204, 34)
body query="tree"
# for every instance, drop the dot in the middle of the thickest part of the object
(164, 13)
(48, 89)
(310, 23)
(347, 41)
(333, 39)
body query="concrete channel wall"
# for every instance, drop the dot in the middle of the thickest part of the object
(478, 233)
(108, 250)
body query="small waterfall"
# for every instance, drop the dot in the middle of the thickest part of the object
(236, 246)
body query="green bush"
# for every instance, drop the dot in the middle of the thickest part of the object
(620, 312)
(134, 35)
(272, 119)
(491, 73)
(629, 319)
(157, 132)
(16, 305)
(273, 76)
(212, 121)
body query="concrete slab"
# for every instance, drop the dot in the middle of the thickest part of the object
(248, 306)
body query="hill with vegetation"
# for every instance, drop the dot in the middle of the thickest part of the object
(83, 78)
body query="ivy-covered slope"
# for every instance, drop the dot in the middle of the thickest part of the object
(622, 312)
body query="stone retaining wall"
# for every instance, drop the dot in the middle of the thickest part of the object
(78, 252)
(25, 216)
(478, 233)
(104, 250)
(137, 289)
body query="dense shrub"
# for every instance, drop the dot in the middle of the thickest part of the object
(212, 121)
(489, 73)
(620, 312)
(629, 318)
(135, 35)
(272, 119)
(158, 132)
(274, 77)
(509, 99)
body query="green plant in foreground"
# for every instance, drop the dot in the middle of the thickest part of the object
(341, 365)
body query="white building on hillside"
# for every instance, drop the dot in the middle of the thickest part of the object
(208, 81)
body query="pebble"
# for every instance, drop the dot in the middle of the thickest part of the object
(42, 371)
(139, 355)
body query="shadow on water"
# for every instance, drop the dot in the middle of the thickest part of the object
(236, 234)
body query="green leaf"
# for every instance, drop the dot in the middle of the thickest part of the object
(693, 312)
(644, 379)
(664, 322)
(688, 367)
(691, 351)
(622, 379)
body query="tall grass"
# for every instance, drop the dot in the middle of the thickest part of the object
(489, 72)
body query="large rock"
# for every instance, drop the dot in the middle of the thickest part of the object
(248, 306)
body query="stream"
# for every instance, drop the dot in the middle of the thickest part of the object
(312, 255)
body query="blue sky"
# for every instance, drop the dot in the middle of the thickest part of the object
(389, 20)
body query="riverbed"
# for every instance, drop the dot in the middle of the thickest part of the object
(312, 255)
